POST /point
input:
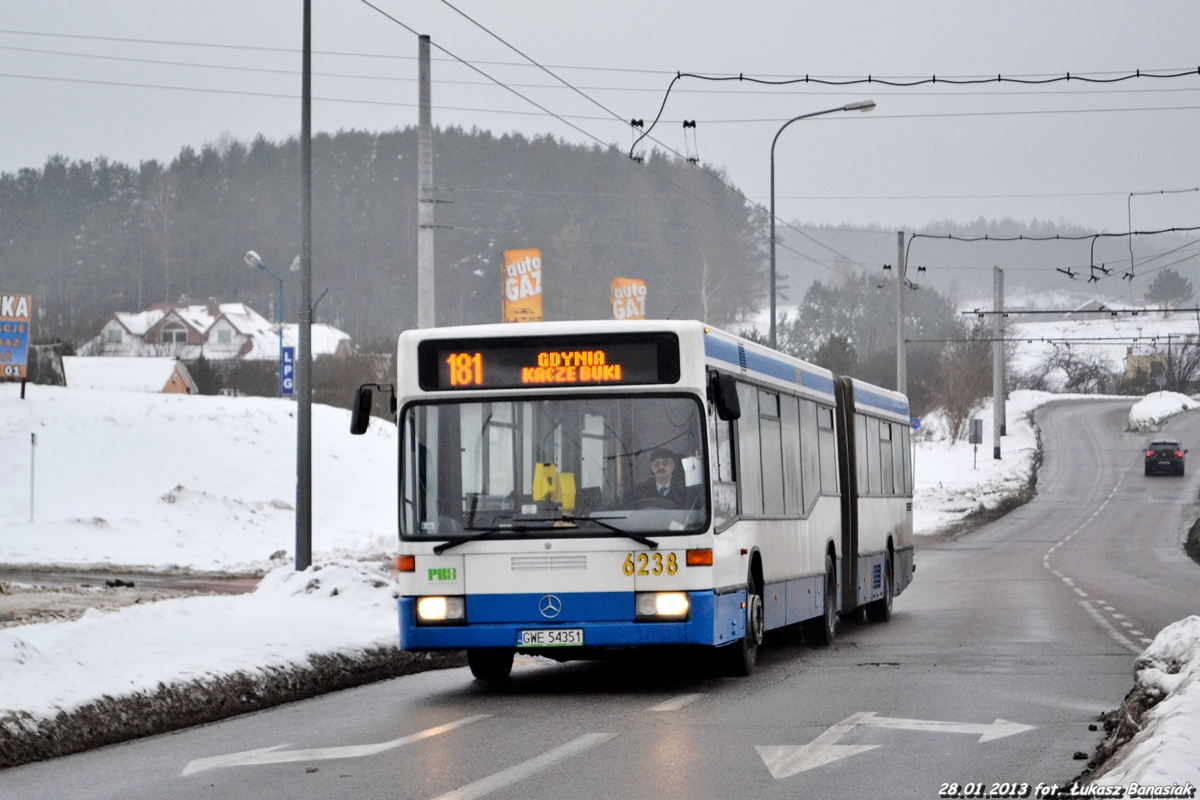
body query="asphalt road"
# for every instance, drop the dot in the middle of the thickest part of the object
(1033, 620)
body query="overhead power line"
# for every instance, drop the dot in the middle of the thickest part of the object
(1092, 278)
(704, 170)
(1093, 78)
(561, 86)
(1112, 312)
(1108, 340)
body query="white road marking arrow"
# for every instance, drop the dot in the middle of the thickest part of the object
(273, 755)
(996, 730)
(785, 760)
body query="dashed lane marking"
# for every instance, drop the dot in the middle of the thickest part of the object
(525, 769)
(1113, 632)
(676, 703)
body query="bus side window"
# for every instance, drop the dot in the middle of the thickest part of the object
(749, 458)
(898, 458)
(724, 488)
(790, 422)
(772, 452)
(908, 468)
(862, 469)
(828, 450)
(887, 484)
(810, 466)
(873, 455)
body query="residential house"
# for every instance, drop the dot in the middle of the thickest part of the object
(215, 331)
(156, 374)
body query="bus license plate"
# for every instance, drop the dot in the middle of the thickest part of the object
(570, 637)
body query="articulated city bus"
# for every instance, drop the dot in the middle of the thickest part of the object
(569, 489)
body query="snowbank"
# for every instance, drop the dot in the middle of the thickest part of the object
(1149, 413)
(205, 483)
(339, 607)
(1167, 690)
(951, 484)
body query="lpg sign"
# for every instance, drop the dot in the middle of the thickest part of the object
(16, 311)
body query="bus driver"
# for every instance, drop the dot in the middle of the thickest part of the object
(663, 489)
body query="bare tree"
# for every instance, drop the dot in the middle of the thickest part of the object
(967, 375)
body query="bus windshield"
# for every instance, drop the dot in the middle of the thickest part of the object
(582, 466)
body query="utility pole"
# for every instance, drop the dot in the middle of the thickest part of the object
(901, 352)
(426, 318)
(304, 361)
(998, 427)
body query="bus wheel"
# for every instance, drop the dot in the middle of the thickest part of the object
(819, 631)
(740, 657)
(881, 610)
(492, 664)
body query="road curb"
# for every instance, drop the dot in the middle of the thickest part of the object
(25, 738)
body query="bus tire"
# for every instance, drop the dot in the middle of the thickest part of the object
(740, 658)
(819, 631)
(881, 610)
(491, 664)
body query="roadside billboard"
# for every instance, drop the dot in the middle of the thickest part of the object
(522, 277)
(628, 298)
(16, 313)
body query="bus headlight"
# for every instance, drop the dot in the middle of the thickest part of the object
(663, 605)
(441, 610)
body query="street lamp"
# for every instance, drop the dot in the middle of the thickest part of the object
(864, 105)
(253, 260)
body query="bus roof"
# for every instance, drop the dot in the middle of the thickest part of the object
(722, 350)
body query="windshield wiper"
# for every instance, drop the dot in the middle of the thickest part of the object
(483, 533)
(637, 537)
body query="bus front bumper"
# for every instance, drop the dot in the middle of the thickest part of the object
(714, 620)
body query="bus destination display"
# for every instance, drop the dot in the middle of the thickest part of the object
(549, 362)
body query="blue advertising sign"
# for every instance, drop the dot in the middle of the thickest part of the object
(287, 371)
(16, 312)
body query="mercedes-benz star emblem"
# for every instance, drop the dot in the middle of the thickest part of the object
(550, 606)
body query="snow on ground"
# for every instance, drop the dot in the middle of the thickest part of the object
(340, 607)
(952, 482)
(1164, 751)
(1149, 413)
(206, 483)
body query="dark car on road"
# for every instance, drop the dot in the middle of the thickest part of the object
(1164, 456)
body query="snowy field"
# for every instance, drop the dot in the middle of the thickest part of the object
(203, 483)
(206, 484)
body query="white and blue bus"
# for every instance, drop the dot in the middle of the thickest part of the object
(572, 488)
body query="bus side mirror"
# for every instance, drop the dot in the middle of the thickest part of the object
(360, 412)
(725, 396)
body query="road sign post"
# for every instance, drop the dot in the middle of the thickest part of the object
(976, 438)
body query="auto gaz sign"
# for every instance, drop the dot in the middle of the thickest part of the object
(16, 312)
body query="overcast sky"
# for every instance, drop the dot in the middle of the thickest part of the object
(137, 79)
